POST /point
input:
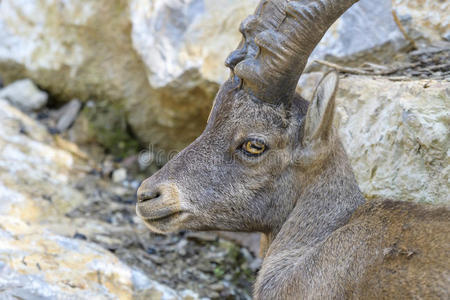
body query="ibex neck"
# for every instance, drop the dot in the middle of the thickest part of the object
(325, 204)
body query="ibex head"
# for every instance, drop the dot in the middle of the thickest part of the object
(262, 142)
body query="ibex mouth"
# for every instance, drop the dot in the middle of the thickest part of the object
(149, 213)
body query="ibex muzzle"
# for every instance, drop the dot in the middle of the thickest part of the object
(270, 162)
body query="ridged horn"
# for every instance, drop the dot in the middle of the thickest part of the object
(277, 41)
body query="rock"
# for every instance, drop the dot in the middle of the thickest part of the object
(217, 287)
(425, 21)
(366, 32)
(24, 95)
(107, 167)
(67, 115)
(70, 51)
(49, 266)
(446, 36)
(119, 175)
(214, 295)
(187, 38)
(396, 135)
(159, 63)
(45, 253)
(34, 172)
(35, 264)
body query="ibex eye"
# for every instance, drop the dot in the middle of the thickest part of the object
(253, 147)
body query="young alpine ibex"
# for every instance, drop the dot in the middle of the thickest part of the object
(268, 163)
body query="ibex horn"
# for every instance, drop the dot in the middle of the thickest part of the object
(277, 41)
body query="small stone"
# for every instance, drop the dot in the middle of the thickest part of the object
(53, 131)
(157, 259)
(79, 236)
(24, 95)
(67, 115)
(446, 36)
(181, 247)
(214, 295)
(246, 254)
(182, 252)
(218, 287)
(150, 250)
(119, 175)
(107, 167)
(255, 264)
(135, 184)
(119, 192)
(228, 277)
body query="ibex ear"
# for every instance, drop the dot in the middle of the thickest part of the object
(319, 117)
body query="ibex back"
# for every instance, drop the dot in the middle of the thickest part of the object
(268, 162)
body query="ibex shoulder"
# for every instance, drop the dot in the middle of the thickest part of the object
(387, 250)
(406, 250)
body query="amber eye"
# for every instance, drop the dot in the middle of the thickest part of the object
(253, 147)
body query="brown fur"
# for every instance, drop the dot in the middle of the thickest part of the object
(323, 240)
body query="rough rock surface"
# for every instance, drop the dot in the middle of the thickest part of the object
(179, 39)
(37, 264)
(424, 20)
(160, 62)
(366, 32)
(396, 134)
(30, 168)
(76, 50)
(39, 259)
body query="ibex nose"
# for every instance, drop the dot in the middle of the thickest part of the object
(147, 192)
(147, 195)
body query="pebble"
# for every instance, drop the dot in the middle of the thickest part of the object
(181, 248)
(79, 236)
(218, 287)
(24, 95)
(247, 255)
(107, 167)
(67, 115)
(214, 295)
(255, 264)
(119, 175)
(446, 35)
(156, 259)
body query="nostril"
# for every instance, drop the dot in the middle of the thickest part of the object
(146, 196)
